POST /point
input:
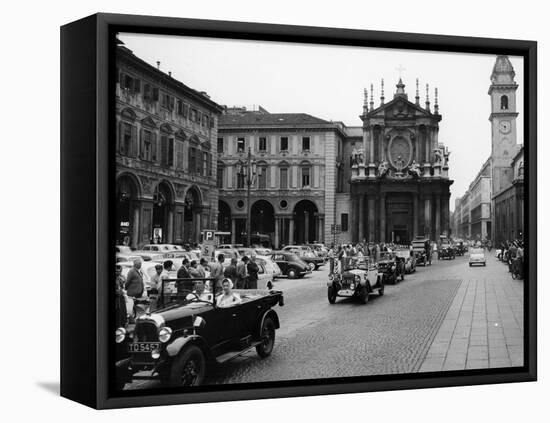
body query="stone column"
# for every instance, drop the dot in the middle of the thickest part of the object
(445, 216)
(135, 227)
(321, 229)
(233, 230)
(370, 204)
(361, 217)
(437, 216)
(415, 216)
(306, 227)
(428, 217)
(276, 232)
(291, 231)
(354, 219)
(383, 218)
(197, 226)
(170, 225)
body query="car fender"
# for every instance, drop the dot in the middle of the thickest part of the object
(175, 347)
(271, 313)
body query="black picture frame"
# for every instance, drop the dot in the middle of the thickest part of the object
(87, 179)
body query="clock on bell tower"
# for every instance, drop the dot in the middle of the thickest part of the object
(503, 120)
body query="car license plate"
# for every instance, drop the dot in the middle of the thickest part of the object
(143, 346)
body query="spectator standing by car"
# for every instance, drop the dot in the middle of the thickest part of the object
(242, 273)
(252, 269)
(134, 281)
(121, 314)
(230, 271)
(202, 267)
(156, 285)
(331, 254)
(193, 269)
(183, 271)
(216, 272)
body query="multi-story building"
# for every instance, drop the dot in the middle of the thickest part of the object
(386, 180)
(165, 156)
(509, 204)
(293, 193)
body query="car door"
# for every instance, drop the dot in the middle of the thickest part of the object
(280, 259)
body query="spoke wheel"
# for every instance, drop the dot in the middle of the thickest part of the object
(267, 335)
(189, 368)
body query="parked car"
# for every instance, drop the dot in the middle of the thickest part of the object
(477, 256)
(391, 267)
(270, 265)
(409, 260)
(306, 254)
(231, 246)
(123, 249)
(129, 257)
(460, 247)
(422, 248)
(356, 282)
(180, 341)
(446, 250)
(290, 264)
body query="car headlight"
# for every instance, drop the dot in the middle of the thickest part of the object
(164, 334)
(120, 335)
(357, 278)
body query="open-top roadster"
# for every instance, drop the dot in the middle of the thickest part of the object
(422, 249)
(446, 250)
(391, 267)
(359, 279)
(187, 333)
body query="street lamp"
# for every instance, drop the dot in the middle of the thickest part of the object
(248, 173)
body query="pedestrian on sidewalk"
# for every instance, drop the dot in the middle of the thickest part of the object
(242, 273)
(216, 273)
(230, 271)
(252, 269)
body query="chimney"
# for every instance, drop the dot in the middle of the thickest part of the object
(158, 64)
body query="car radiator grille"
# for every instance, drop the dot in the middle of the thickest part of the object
(146, 332)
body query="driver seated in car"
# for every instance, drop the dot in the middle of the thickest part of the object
(228, 297)
(199, 293)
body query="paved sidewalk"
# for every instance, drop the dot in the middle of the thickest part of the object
(484, 325)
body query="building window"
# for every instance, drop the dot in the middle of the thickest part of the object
(340, 179)
(126, 145)
(192, 159)
(166, 151)
(240, 180)
(220, 145)
(193, 115)
(205, 121)
(284, 144)
(220, 175)
(240, 145)
(147, 92)
(306, 171)
(205, 164)
(283, 178)
(146, 153)
(262, 144)
(262, 177)
(344, 222)
(179, 155)
(504, 102)
(305, 144)
(180, 108)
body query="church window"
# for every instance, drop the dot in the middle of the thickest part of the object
(504, 102)
(240, 145)
(344, 222)
(284, 143)
(305, 144)
(306, 176)
(262, 144)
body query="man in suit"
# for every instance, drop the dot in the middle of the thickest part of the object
(183, 271)
(242, 273)
(216, 272)
(252, 270)
(134, 281)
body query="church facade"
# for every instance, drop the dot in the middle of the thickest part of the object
(400, 186)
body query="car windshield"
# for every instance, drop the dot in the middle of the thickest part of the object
(293, 257)
(476, 251)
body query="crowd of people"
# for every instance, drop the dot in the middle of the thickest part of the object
(133, 298)
(513, 254)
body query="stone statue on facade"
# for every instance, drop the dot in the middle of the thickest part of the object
(414, 169)
(438, 156)
(399, 163)
(383, 168)
(446, 157)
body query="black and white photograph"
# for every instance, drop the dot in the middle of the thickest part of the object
(301, 212)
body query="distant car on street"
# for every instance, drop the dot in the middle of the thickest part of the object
(477, 256)
(307, 254)
(423, 254)
(290, 264)
(409, 260)
(391, 267)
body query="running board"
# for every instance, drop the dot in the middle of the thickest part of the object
(233, 354)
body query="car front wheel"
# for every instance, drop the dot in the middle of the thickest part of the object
(364, 295)
(291, 274)
(331, 294)
(267, 335)
(189, 368)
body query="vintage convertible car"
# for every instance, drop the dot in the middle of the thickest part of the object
(446, 251)
(460, 248)
(179, 341)
(423, 255)
(409, 258)
(358, 280)
(391, 267)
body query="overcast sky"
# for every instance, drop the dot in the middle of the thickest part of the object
(328, 81)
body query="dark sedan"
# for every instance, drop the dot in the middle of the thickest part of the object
(290, 264)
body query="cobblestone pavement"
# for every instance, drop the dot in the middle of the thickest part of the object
(484, 325)
(390, 334)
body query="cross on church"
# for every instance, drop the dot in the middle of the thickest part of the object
(400, 69)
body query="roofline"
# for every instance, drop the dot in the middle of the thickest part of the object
(125, 53)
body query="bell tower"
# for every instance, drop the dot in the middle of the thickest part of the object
(503, 122)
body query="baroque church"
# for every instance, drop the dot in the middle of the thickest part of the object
(400, 185)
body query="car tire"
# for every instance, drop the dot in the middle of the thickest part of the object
(381, 291)
(267, 335)
(316, 267)
(291, 274)
(331, 294)
(470, 264)
(189, 368)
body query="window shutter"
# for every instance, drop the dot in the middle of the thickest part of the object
(163, 150)
(154, 146)
(137, 85)
(141, 144)
(172, 103)
(155, 94)
(134, 148)
(171, 152)
(119, 137)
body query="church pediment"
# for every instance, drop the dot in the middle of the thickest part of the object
(399, 108)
